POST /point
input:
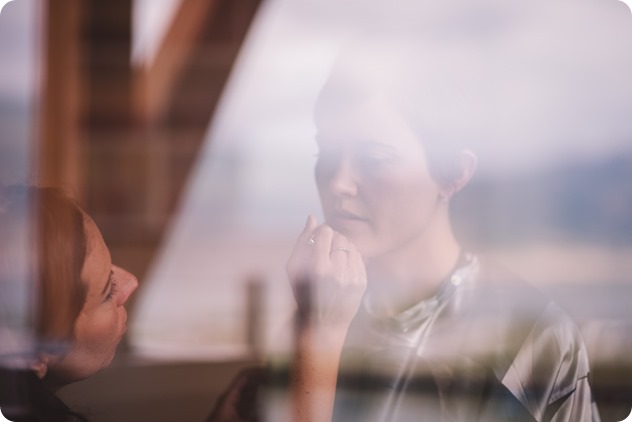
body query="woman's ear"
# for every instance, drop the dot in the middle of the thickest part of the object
(466, 168)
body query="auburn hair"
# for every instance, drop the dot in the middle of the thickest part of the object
(51, 226)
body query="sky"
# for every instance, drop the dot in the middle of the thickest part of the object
(151, 19)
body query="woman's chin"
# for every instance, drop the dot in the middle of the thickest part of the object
(367, 250)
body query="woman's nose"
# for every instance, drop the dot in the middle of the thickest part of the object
(128, 284)
(342, 180)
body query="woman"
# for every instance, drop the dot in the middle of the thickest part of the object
(79, 298)
(396, 320)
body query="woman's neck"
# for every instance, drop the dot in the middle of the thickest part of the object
(413, 272)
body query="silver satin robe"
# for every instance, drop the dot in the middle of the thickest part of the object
(486, 347)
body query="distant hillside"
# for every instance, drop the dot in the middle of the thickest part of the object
(588, 202)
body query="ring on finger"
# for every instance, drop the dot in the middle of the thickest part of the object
(311, 241)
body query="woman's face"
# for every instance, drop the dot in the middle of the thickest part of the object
(101, 323)
(373, 178)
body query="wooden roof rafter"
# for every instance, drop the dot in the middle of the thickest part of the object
(155, 82)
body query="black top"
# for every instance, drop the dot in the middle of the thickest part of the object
(23, 397)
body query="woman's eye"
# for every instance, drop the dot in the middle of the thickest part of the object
(372, 159)
(113, 288)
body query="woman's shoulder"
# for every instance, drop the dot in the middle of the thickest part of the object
(524, 302)
(517, 314)
(539, 353)
(549, 330)
(494, 289)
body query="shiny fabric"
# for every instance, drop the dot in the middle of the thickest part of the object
(486, 347)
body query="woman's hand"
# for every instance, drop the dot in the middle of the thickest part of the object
(328, 277)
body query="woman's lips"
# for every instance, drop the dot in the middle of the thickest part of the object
(124, 324)
(343, 219)
(345, 213)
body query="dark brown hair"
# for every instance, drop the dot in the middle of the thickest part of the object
(398, 68)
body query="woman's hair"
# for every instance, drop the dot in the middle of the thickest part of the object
(427, 89)
(44, 245)
(42, 250)
(516, 82)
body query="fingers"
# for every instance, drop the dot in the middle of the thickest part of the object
(339, 248)
(358, 277)
(323, 236)
(318, 250)
(310, 225)
(311, 251)
(296, 262)
(328, 275)
(338, 255)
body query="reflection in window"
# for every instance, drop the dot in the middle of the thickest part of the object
(549, 117)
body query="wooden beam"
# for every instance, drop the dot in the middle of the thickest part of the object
(155, 82)
(59, 151)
